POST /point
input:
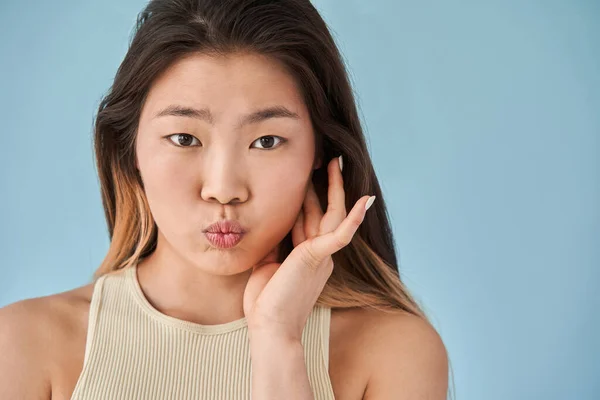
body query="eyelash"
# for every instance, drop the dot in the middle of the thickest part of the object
(281, 140)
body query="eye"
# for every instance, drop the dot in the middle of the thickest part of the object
(183, 139)
(266, 141)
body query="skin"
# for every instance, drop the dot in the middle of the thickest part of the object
(225, 171)
(231, 174)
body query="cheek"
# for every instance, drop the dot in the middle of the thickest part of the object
(275, 210)
(280, 199)
(166, 185)
(165, 175)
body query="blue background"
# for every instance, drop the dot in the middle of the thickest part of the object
(483, 121)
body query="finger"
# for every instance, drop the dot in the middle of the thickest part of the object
(313, 213)
(260, 276)
(336, 199)
(325, 245)
(298, 235)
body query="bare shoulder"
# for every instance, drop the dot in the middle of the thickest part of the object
(405, 355)
(402, 356)
(33, 335)
(57, 311)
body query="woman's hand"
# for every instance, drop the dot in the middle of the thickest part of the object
(279, 297)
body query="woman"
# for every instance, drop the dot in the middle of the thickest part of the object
(234, 268)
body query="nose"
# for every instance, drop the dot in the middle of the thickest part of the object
(223, 179)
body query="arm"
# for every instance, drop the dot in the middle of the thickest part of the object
(279, 297)
(278, 368)
(23, 372)
(409, 363)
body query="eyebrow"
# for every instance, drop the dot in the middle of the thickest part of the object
(204, 114)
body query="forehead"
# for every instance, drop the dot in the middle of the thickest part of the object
(231, 84)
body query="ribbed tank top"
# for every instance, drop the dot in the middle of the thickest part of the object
(133, 351)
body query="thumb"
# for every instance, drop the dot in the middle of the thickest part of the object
(261, 274)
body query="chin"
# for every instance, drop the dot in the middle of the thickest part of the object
(221, 261)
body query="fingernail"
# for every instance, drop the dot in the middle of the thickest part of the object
(341, 161)
(369, 202)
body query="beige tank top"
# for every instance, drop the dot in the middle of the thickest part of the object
(133, 351)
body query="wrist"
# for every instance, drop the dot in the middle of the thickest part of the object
(272, 339)
(279, 333)
(279, 367)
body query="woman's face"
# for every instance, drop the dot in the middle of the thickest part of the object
(218, 162)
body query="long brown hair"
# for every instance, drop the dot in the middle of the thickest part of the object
(293, 33)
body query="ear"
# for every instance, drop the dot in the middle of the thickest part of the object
(318, 164)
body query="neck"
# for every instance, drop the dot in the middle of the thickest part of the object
(184, 291)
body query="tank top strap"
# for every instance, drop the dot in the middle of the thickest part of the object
(325, 333)
(317, 332)
(94, 312)
(93, 315)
